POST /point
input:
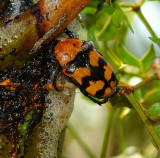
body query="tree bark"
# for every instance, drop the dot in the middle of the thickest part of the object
(40, 24)
(29, 31)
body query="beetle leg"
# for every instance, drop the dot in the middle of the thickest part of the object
(126, 89)
(50, 86)
(54, 43)
(69, 33)
(50, 47)
(55, 77)
(51, 57)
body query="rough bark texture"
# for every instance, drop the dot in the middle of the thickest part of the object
(43, 140)
(39, 24)
(3, 4)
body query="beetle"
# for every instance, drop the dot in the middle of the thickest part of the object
(86, 68)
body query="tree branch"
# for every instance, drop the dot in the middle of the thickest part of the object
(18, 36)
(43, 22)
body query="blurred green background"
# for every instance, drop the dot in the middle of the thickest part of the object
(128, 137)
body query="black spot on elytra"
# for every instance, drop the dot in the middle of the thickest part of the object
(97, 72)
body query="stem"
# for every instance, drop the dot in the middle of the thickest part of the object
(144, 118)
(122, 139)
(129, 5)
(104, 27)
(109, 2)
(107, 133)
(128, 10)
(135, 5)
(32, 25)
(145, 81)
(145, 22)
(136, 8)
(80, 141)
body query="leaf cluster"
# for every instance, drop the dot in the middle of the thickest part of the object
(107, 23)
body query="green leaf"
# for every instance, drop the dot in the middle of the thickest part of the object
(89, 10)
(91, 36)
(138, 94)
(100, 19)
(114, 57)
(147, 59)
(117, 17)
(103, 19)
(156, 83)
(154, 142)
(128, 23)
(108, 10)
(105, 30)
(127, 56)
(121, 36)
(120, 101)
(155, 40)
(157, 129)
(152, 97)
(154, 110)
(126, 111)
(109, 33)
(88, 20)
(155, 118)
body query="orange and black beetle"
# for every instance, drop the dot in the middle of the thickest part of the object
(86, 68)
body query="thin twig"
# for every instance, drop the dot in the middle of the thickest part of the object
(104, 26)
(145, 22)
(145, 81)
(80, 141)
(138, 108)
(133, 5)
(107, 132)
